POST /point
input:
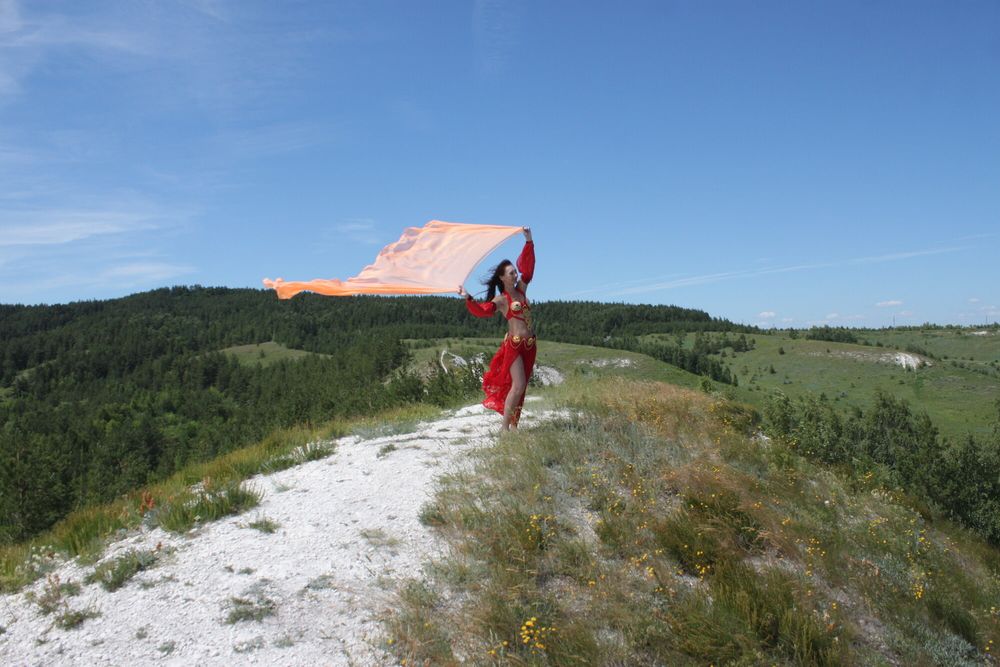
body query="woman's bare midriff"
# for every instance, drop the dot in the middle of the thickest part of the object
(522, 330)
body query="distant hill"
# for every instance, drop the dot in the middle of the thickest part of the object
(952, 375)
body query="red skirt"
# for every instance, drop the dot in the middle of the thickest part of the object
(497, 381)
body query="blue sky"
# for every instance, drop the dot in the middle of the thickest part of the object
(774, 163)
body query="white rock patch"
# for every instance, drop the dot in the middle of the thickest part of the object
(904, 359)
(908, 361)
(620, 362)
(548, 375)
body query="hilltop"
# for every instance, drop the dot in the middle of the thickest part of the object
(630, 522)
(101, 397)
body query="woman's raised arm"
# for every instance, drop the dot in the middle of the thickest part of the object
(526, 260)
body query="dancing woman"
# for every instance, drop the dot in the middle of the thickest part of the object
(507, 377)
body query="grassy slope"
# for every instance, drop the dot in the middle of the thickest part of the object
(264, 353)
(653, 528)
(983, 350)
(958, 400)
(570, 360)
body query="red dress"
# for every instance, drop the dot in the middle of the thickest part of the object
(497, 381)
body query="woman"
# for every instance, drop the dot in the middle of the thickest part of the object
(507, 377)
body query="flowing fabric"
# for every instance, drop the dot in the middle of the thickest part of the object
(497, 380)
(432, 259)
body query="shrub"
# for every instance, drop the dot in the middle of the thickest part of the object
(115, 573)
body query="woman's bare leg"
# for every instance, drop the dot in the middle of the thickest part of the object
(517, 386)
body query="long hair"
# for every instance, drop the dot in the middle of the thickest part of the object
(493, 283)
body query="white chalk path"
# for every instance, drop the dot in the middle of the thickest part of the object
(349, 531)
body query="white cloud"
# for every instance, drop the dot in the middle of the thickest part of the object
(767, 314)
(973, 300)
(886, 304)
(53, 227)
(787, 319)
(832, 316)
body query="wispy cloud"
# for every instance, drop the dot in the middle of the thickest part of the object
(47, 251)
(605, 287)
(268, 140)
(26, 40)
(894, 256)
(495, 31)
(766, 315)
(361, 230)
(887, 304)
(986, 235)
(217, 9)
(143, 272)
(125, 276)
(707, 278)
(51, 227)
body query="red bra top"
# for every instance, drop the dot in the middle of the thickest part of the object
(518, 310)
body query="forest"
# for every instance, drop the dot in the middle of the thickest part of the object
(101, 397)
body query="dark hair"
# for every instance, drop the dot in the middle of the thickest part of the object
(493, 283)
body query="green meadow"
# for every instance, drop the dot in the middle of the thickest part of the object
(264, 354)
(958, 400)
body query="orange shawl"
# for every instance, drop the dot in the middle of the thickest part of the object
(432, 259)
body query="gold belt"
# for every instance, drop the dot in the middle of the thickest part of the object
(529, 341)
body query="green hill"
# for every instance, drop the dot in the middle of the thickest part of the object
(650, 525)
(977, 348)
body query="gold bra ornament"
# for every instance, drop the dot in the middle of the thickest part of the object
(517, 307)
